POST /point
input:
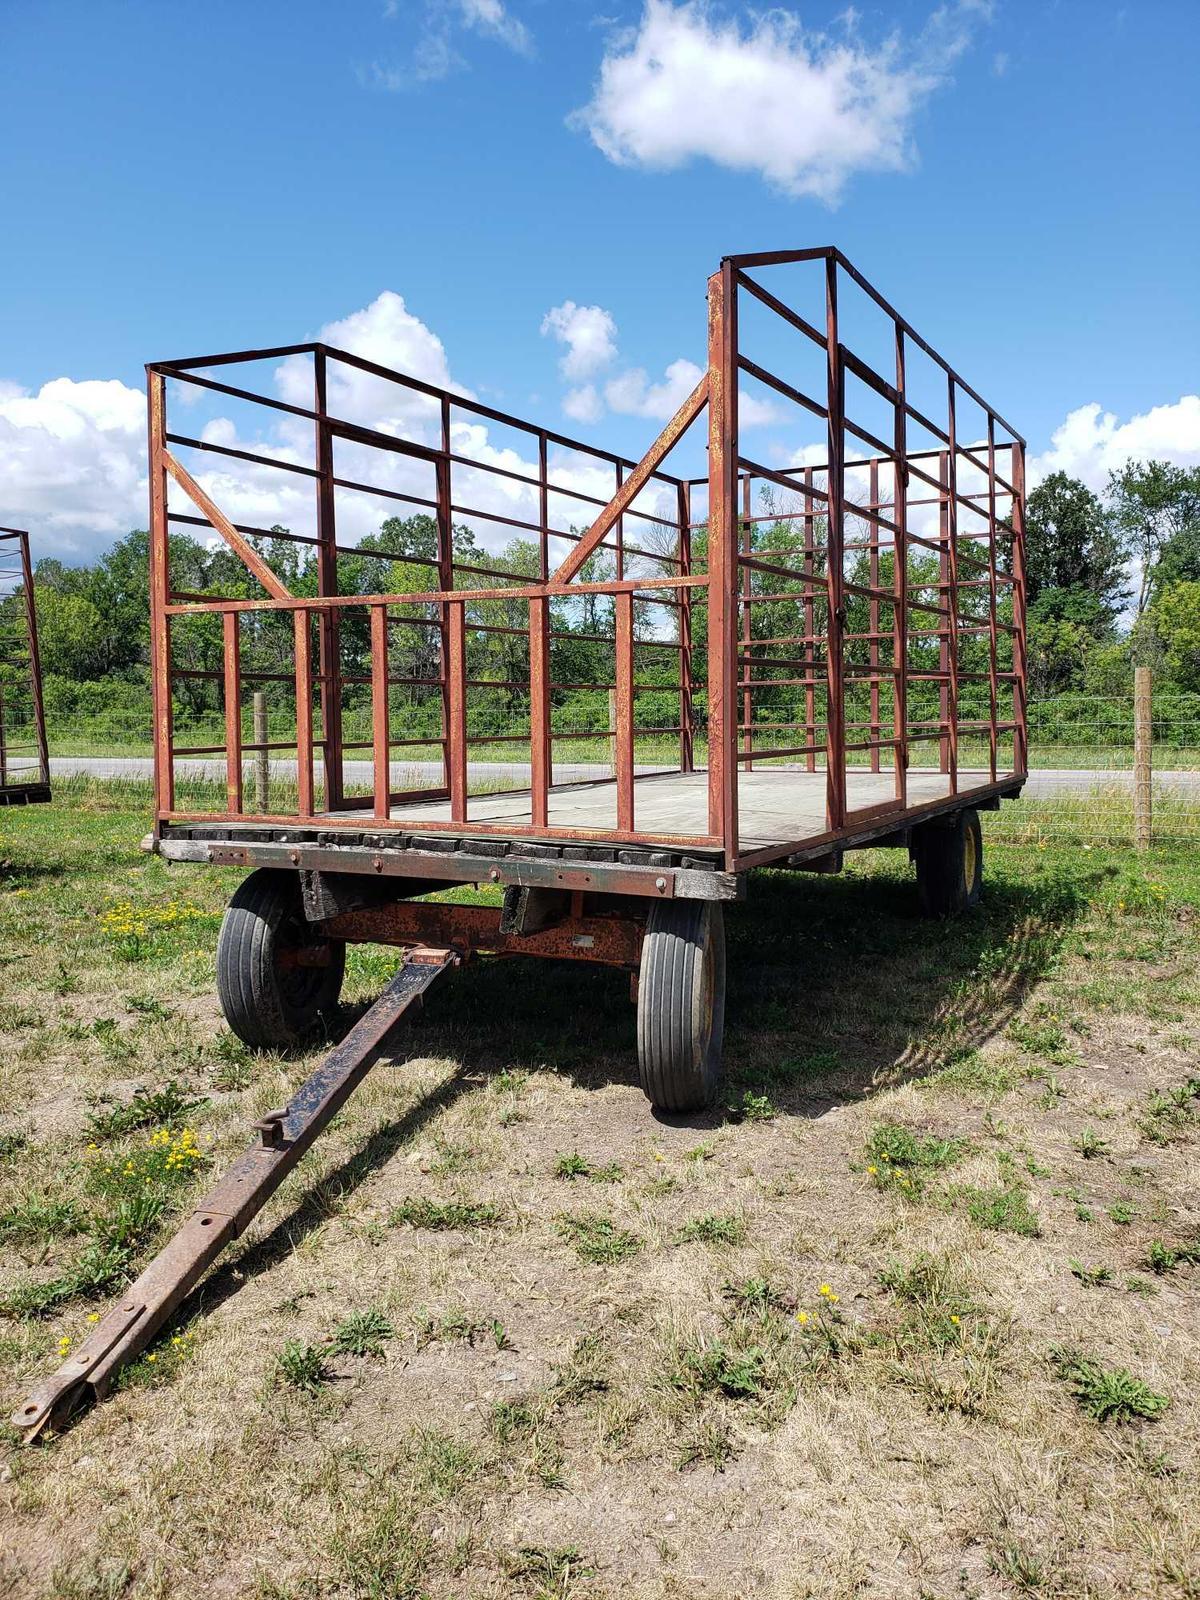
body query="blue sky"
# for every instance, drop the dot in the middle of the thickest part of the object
(1018, 178)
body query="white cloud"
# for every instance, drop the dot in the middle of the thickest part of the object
(634, 395)
(434, 56)
(804, 110)
(583, 404)
(1092, 442)
(73, 463)
(388, 333)
(492, 18)
(589, 333)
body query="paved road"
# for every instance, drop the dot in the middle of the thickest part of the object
(515, 774)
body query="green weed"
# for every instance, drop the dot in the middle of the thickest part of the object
(417, 1212)
(302, 1366)
(597, 1239)
(1107, 1393)
(712, 1230)
(364, 1333)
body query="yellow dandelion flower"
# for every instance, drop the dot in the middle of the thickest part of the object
(93, 1316)
(825, 1290)
(872, 1170)
(802, 1317)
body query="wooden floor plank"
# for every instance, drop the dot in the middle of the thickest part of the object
(775, 806)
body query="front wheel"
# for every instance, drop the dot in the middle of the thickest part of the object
(681, 1004)
(277, 978)
(949, 860)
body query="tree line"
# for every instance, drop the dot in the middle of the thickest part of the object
(1113, 579)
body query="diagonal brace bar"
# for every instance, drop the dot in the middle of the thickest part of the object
(635, 482)
(231, 1205)
(244, 551)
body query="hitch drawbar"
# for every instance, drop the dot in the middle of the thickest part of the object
(225, 1212)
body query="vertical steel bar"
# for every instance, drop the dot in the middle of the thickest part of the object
(160, 623)
(381, 751)
(993, 664)
(623, 722)
(445, 570)
(543, 506)
(620, 528)
(808, 651)
(687, 751)
(835, 737)
(747, 628)
(329, 623)
(873, 609)
(539, 711)
(233, 714)
(456, 747)
(942, 600)
(900, 574)
(304, 737)
(722, 558)
(262, 764)
(952, 574)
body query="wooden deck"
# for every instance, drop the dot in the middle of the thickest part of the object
(775, 806)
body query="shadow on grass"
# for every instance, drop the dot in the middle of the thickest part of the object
(836, 989)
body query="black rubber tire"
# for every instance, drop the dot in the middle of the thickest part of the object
(681, 1004)
(268, 1004)
(949, 861)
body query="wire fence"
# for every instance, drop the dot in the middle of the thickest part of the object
(1081, 786)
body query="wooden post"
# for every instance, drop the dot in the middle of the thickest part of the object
(262, 762)
(1142, 745)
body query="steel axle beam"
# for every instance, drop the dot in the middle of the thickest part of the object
(228, 1208)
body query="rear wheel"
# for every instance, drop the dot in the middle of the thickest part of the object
(681, 1004)
(277, 979)
(949, 861)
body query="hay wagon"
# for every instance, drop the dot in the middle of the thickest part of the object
(845, 640)
(795, 657)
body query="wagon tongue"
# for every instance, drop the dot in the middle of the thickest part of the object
(227, 1209)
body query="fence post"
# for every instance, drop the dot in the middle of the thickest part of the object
(261, 755)
(1143, 740)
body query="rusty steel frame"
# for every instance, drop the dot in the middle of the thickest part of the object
(578, 934)
(24, 788)
(736, 578)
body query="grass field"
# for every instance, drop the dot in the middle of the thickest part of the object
(912, 1313)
